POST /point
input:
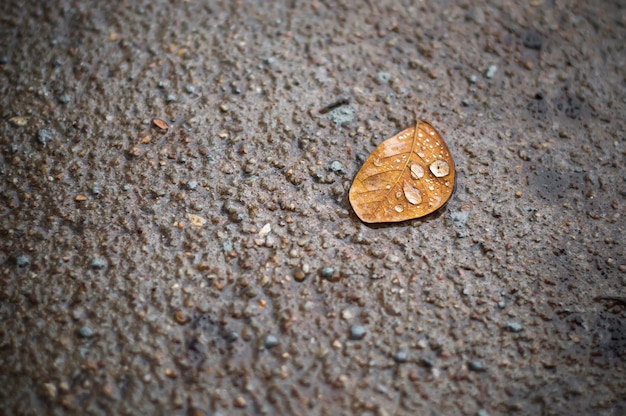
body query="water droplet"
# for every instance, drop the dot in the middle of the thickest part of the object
(440, 168)
(399, 208)
(412, 194)
(377, 162)
(432, 133)
(398, 194)
(431, 188)
(420, 154)
(417, 171)
(387, 186)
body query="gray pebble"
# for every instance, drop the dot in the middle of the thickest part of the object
(427, 362)
(374, 276)
(85, 332)
(476, 365)
(170, 98)
(98, 263)
(357, 332)
(466, 102)
(22, 261)
(45, 135)
(482, 412)
(231, 336)
(491, 71)
(477, 15)
(4, 60)
(96, 190)
(501, 304)
(383, 76)
(64, 99)
(190, 89)
(191, 185)
(327, 272)
(514, 327)
(401, 356)
(473, 79)
(459, 218)
(342, 115)
(336, 166)
(270, 341)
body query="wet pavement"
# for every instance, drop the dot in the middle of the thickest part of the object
(176, 235)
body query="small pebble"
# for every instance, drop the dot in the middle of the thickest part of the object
(473, 79)
(98, 263)
(491, 71)
(64, 99)
(383, 77)
(45, 135)
(299, 275)
(4, 60)
(427, 362)
(336, 167)
(18, 121)
(342, 115)
(190, 89)
(482, 412)
(170, 98)
(347, 314)
(514, 327)
(22, 261)
(232, 336)
(126, 187)
(466, 102)
(459, 218)
(401, 357)
(85, 332)
(327, 272)
(191, 185)
(476, 365)
(270, 341)
(501, 304)
(240, 402)
(96, 190)
(357, 332)
(477, 15)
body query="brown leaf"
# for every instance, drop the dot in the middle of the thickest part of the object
(407, 176)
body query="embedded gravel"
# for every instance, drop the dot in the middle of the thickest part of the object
(176, 237)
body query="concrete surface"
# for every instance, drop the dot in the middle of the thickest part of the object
(216, 267)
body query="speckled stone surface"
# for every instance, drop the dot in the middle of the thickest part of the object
(213, 265)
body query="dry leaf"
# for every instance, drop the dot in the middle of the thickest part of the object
(407, 176)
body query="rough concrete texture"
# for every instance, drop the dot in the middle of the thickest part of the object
(216, 267)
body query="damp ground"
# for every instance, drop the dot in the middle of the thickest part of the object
(176, 236)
